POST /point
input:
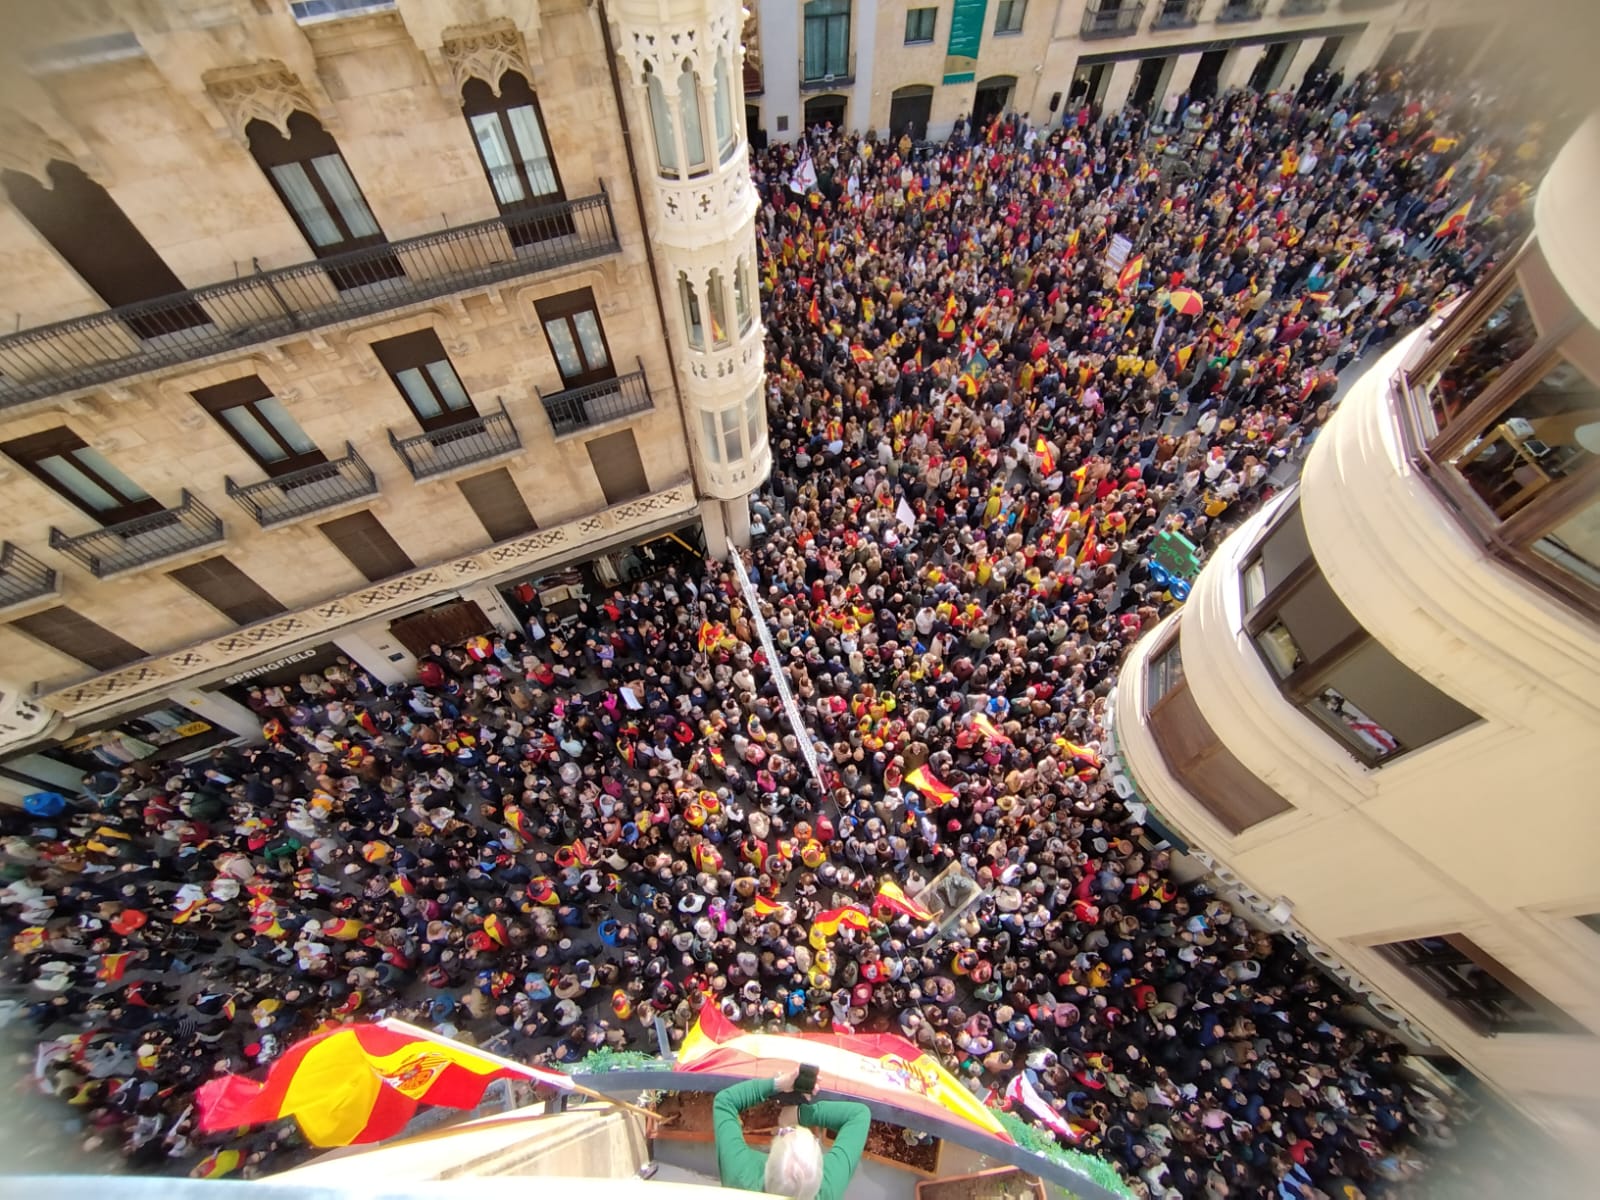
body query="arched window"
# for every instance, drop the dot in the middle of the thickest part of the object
(661, 124)
(510, 135)
(694, 138)
(722, 106)
(316, 186)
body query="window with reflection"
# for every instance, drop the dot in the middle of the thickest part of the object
(755, 416)
(743, 309)
(730, 434)
(661, 123)
(693, 322)
(722, 111)
(1504, 335)
(1545, 435)
(1327, 664)
(715, 296)
(694, 138)
(708, 430)
(1573, 544)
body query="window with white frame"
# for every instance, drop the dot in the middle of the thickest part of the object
(693, 321)
(1008, 16)
(722, 107)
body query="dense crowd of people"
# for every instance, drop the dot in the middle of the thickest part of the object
(979, 425)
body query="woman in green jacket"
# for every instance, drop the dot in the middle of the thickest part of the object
(794, 1165)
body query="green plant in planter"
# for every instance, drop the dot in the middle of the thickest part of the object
(1044, 1144)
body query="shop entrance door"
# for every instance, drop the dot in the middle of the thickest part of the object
(448, 625)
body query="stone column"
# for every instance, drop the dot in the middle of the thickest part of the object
(1236, 69)
(1300, 62)
(736, 513)
(1182, 74)
(715, 528)
(1119, 85)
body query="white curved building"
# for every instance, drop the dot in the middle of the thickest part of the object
(1377, 715)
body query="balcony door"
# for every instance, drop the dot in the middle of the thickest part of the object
(422, 373)
(88, 229)
(509, 132)
(572, 325)
(60, 460)
(260, 423)
(315, 184)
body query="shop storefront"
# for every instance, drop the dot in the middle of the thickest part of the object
(166, 731)
(559, 590)
(279, 672)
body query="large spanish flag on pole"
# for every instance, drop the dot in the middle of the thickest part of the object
(361, 1083)
(877, 1067)
(930, 786)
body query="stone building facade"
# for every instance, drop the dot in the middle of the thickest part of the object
(331, 323)
(919, 65)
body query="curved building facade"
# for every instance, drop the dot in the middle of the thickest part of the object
(1376, 714)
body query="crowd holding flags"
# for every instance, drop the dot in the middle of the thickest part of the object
(923, 780)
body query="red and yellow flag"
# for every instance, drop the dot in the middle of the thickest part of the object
(1129, 275)
(1047, 460)
(113, 966)
(814, 312)
(988, 728)
(1455, 220)
(518, 820)
(877, 1067)
(217, 1164)
(860, 354)
(495, 928)
(711, 635)
(765, 906)
(360, 1083)
(891, 898)
(947, 320)
(829, 923)
(923, 780)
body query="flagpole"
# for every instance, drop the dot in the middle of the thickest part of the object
(394, 1024)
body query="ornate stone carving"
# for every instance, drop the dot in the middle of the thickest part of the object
(266, 91)
(26, 148)
(485, 52)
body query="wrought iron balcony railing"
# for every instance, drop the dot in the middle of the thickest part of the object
(440, 450)
(1235, 11)
(1177, 14)
(1101, 22)
(143, 540)
(22, 576)
(596, 403)
(285, 498)
(224, 317)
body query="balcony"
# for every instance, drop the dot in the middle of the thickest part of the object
(1104, 21)
(1236, 11)
(223, 318)
(286, 498)
(1304, 8)
(143, 540)
(1358, 5)
(22, 576)
(439, 451)
(596, 403)
(310, 12)
(823, 80)
(1177, 14)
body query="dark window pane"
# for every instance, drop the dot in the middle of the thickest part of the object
(497, 501)
(362, 539)
(228, 589)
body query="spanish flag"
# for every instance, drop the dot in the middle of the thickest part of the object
(1130, 273)
(29, 940)
(947, 320)
(113, 966)
(1184, 354)
(518, 820)
(988, 728)
(217, 1164)
(1079, 478)
(1072, 247)
(360, 1083)
(1456, 219)
(891, 899)
(710, 636)
(495, 928)
(765, 907)
(814, 311)
(922, 779)
(834, 919)
(1090, 545)
(860, 354)
(1081, 756)
(870, 1066)
(1047, 461)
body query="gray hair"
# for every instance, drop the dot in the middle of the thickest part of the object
(794, 1165)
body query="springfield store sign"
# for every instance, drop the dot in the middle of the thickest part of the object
(279, 664)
